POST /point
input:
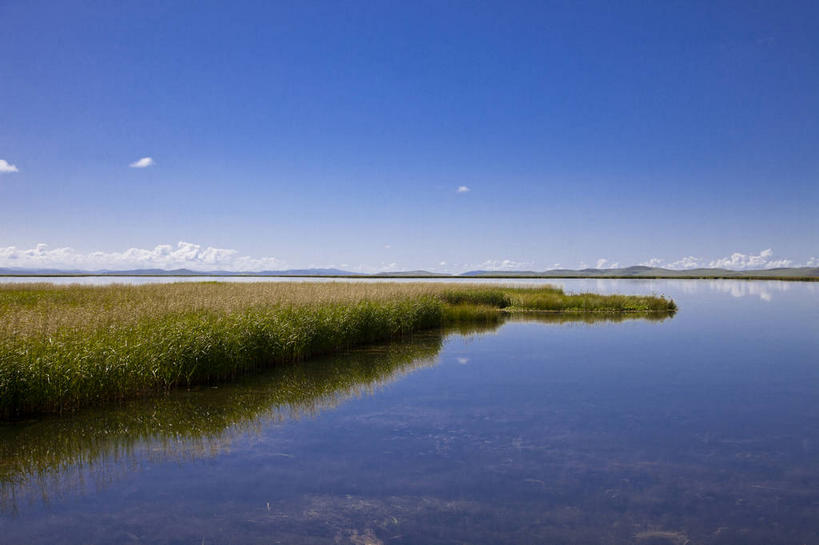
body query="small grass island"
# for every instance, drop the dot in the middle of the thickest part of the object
(67, 347)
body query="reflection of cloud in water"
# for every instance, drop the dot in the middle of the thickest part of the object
(744, 288)
(766, 290)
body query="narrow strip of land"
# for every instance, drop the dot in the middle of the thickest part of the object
(67, 347)
(500, 276)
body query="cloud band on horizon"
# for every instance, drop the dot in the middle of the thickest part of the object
(195, 257)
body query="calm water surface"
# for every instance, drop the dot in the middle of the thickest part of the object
(703, 428)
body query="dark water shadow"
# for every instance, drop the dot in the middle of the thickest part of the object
(546, 317)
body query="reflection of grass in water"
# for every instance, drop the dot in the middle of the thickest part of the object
(55, 454)
(547, 317)
(59, 453)
(62, 453)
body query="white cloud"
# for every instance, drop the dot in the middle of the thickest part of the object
(686, 263)
(164, 256)
(501, 265)
(736, 261)
(463, 189)
(6, 167)
(813, 262)
(143, 163)
(744, 261)
(653, 262)
(604, 263)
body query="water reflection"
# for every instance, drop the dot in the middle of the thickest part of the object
(45, 459)
(737, 288)
(765, 290)
(49, 457)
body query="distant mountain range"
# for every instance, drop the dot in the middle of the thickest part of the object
(173, 272)
(641, 271)
(638, 271)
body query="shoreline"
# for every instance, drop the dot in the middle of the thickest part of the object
(426, 277)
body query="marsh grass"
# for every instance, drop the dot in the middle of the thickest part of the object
(66, 347)
(544, 300)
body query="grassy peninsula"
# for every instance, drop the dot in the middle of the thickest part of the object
(67, 347)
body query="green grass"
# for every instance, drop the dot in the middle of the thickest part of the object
(67, 347)
(522, 299)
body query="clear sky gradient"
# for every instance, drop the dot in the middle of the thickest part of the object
(339, 133)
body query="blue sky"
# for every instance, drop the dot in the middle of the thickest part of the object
(296, 134)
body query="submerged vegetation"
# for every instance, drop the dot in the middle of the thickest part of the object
(66, 347)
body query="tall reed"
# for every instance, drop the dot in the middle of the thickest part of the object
(62, 348)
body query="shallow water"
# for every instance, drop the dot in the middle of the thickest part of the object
(703, 428)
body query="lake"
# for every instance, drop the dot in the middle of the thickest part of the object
(701, 428)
